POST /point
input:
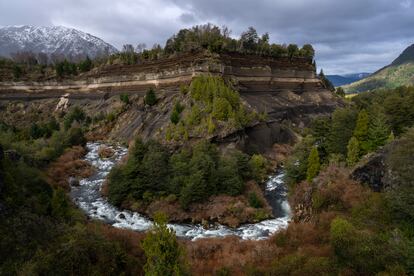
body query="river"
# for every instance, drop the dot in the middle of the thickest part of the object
(87, 196)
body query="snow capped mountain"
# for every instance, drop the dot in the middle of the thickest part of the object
(54, 41)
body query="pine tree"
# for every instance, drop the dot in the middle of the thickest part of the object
(313, 164)
(150, 97)
(361, 132)
(378, 131)
(353, 151)
(341, 130)
(164, 254)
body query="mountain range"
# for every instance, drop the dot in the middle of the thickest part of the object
(55, 40)
(399, 73)
(339, 80)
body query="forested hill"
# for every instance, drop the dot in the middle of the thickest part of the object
(399, 73)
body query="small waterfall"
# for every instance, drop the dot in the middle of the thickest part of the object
(88, 197)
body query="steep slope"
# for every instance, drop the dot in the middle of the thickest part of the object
(287, 92)
(399, 73)
(56, 40)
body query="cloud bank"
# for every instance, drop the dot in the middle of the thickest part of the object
(349, 36)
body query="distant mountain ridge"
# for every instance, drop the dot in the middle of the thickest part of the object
(339, 80)
(55, 40)
(399, 73)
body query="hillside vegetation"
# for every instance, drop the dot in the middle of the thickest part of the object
(399, 73)
(29, 66)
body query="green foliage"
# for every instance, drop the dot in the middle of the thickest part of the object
(341, 130)
(297, 163)
(326, 82)
(150, 98)
(184, 89)
(388, 78)
(353, 151)
(85, 65)
(254, 200)
(111, 116)
(215, 103)
(75, 137)
(124, 98)
(292, 50)
(17, 72)
(175, 115)
(76, 114)
(218, 40)
(164, 254)
(221, 109)
(60, 204)
(258, 166)
(400, 163)
(356, 249)
(378, 131)
(361, 132)
(65, 68)
(313, 164)
(192, 175)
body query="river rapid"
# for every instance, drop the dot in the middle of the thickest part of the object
(87, 196)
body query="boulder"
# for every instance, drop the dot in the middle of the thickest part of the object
(73, 181)
(105, 152)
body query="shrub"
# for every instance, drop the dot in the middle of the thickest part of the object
(111, 116)
(255, 201)
(313, 164)
(353, 151)
(75, 137)
(184, 89)
(76, 114)
(258, 167)
(150, 98)
(164, 254)
(124, 98)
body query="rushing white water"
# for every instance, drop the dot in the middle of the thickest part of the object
(88, 197)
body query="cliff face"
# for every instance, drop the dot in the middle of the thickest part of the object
(287, 91)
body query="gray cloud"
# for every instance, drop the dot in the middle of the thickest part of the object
(349, 36)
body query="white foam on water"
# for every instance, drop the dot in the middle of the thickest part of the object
(88, 197)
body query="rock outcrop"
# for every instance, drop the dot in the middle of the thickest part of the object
(287, 90)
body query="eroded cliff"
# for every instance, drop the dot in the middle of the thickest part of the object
(286, 90)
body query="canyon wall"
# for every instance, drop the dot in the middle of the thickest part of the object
(288, 91)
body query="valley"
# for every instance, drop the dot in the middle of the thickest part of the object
(209, 156)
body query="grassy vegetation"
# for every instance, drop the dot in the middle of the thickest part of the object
(388, 78)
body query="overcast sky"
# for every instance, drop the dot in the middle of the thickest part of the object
(349, 35)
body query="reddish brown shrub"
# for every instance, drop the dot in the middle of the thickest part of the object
(69, 165)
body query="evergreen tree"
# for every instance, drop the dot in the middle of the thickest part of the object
(341, 130)
(164, 254)
(150, 97)
(326, 82)
(313, 164)
(85, 65)
(353, 151)
(361, 131)
(378, 131)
